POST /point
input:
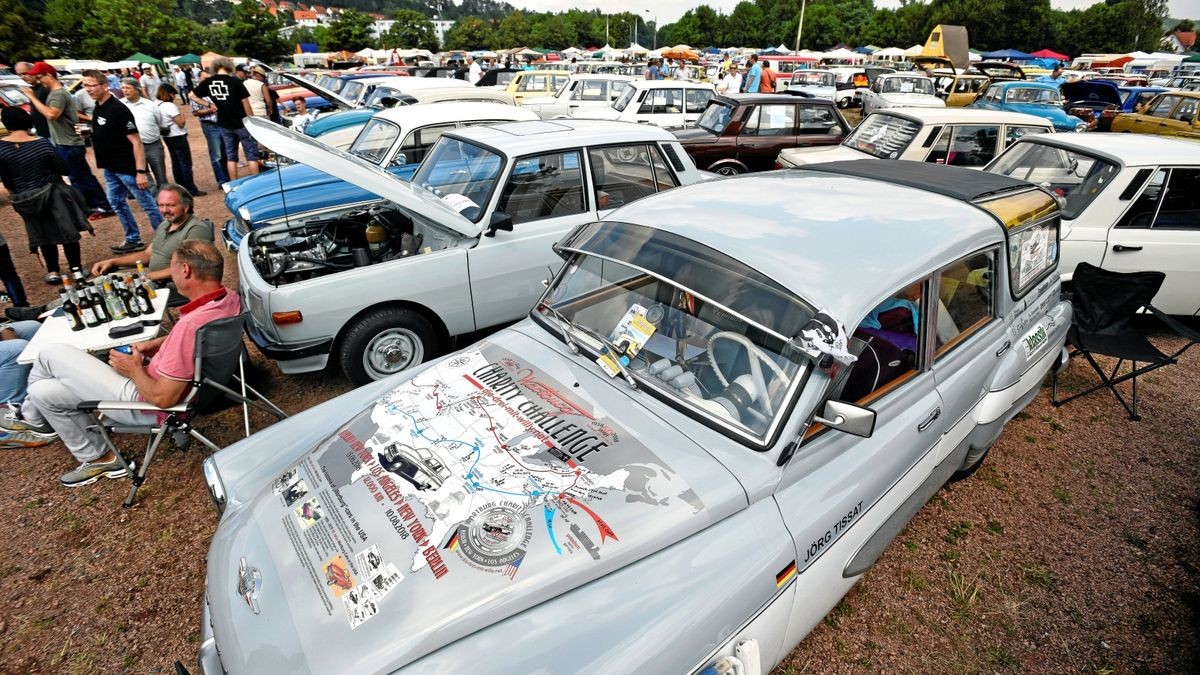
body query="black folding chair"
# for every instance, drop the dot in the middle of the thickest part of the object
(1107, 305)
(219, 381)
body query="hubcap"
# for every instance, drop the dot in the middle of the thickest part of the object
(727, 171)
(392, 351)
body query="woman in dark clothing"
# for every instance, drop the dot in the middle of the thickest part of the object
(54, 213)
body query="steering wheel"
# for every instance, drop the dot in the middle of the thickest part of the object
(757, 358)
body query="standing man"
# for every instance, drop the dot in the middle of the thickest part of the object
(181, 81)
(60, 113)
(753, 75)
(150, 82)
(25, 70)
(120, 154)
(207, 114)
(229, 95)
(474, 73)
(149, 124)
(766, 82)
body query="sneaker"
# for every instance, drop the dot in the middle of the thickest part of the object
(199, 193)
(12, 422)
(22, 439)
(101, 214)
(24, 313)
(90, 472)
(53, 279)
(128, 247)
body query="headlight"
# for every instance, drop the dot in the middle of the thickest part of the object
(244, 212)
(1082, 126)
(216, 489)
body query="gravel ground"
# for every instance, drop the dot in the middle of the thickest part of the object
(1074, 549)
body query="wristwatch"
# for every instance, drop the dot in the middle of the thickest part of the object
(143, 170)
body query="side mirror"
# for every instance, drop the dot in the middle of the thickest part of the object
(500, 221)
(848, 417)
(400, 159)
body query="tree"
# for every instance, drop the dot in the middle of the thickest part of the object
(20, 33)
(746, 25)
(471, 33)
(514, 30)
(553, 32)
(254, 32)
(1186, 26)
(351, 31)
(115, 29)
(64, 24)
(213, 37)
(411, 29)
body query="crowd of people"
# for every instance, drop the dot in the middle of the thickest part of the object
(133, 124)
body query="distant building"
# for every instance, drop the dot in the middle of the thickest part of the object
(1180, 41)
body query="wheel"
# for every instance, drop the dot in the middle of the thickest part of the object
(971, 464)
(843, 103)
(727, 170)
(384, 342)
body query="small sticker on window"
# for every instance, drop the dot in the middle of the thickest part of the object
(459, 203)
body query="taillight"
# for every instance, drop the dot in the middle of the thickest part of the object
(285, 318)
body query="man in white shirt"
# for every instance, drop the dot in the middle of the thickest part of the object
(474, 73)
(150, 125)
(150, 82)
(259, 93)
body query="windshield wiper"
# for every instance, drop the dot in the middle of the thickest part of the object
(564, 326)
(562, 323)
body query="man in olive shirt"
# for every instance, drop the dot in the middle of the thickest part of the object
(179, 223)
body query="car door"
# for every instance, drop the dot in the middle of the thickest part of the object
(816, 126)
(1181, 122)
(841, 486)
(966, 145)
(695, 101)
(545, 195)
(621, 174)
(662, 106)
(1161, 231)
(1154, 120)
(768, 129)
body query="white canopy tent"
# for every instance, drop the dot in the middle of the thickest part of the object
(571, 51)
(782, 49)
(914, 50)
(635, 48)
(890, 53)
(843, 55)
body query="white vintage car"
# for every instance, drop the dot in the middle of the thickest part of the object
(664, 103)
(956, 136)
(1131, 203)
(582, 91)
(381, 286)
(900, 90)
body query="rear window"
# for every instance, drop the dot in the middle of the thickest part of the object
(882, 135)
(1074, 176)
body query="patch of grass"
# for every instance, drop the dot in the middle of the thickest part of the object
(71, 522)
(43, 622)
(130, 660)
(35, 503)
(103, 605)
(963, 593)
(915, 581)
(988, 475)
(193, 637)
(1041, 576)
(994, 527)
(1054, 424)
(1134, 539)
(90, 499)
(1030, 438)
(834, 618)
(81, 663)
(1021, 416)
(951, 555)
(166, 535)
(958, 532)
(9, 571)
(1002, 658)
(910, 545)
(941, 503)
(1062, 495)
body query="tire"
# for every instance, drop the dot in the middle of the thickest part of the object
(384, 342)
(728, 170)
(970, 466)
(843, 103)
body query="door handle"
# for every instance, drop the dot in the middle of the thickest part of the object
(1118, 248)
(1003, 348)
(937, 412)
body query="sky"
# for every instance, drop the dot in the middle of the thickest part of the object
(668, 11)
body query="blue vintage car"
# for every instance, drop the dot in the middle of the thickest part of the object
(1033, 98)
(395, 140)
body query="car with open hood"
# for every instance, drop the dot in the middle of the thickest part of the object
(1090, 99)
(707, 429)
(380, 286)
(1042, 99)
(900, 90)
(582, 90)
(956, 136)
(395, 140)
(1131, 202)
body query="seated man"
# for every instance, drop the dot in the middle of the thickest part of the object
(64, 376)
(181, 224)
(13, 376)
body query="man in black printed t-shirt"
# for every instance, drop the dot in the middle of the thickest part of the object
(232, 100)
(120, 154)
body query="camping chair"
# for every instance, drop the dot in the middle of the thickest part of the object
(1105, 323)
(219, 379)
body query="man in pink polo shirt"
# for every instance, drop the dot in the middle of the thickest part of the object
(64, 376)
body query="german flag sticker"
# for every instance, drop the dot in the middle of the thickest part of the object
(452, 545)
(785, 575)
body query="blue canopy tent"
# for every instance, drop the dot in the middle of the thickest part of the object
(1008, 55)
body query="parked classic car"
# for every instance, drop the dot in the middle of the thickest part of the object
(395, 140)
(745, 132)
(1171, 114)
(1089, 99)
(530, 83)
(1132, 98)
(1034, 98)
(664, 103)
(1131, 203)
(708, 497)
(589, 90)
(381, 286)
(900, 90)
(954, 136)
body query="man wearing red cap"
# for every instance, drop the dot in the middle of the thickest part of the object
(24, 70)
(60, 112)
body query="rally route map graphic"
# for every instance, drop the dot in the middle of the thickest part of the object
(491, 452)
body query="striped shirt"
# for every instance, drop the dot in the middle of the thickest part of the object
(29, 165)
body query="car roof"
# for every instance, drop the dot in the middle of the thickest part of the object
(601, 76)
(1127, 149)
(450, 111)
(770, 98)
(1009, 84)
(977, 115)
(1184, 94)
(520, 138)
(663, 84)
(806, 230)
(408, 82)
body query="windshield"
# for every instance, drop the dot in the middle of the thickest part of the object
(907, 85)
(626, 96)
(817, 79)
(700, 329)
(353, 91)
(462, 174)
(715, 117)
(1074, 176)
(374, 141)
(882, 135)
(1040, 96)
(332, 83)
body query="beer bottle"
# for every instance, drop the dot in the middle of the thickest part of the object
(116, 308)
(144, 280)
(98, 304)
(142, 292)
(70, 309)
(128, 300)
(80, 280)
(87, 310)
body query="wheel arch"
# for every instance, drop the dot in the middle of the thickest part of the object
(715, 166)
(439, 326)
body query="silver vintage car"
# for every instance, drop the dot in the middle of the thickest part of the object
(712, 423)
(378, 286)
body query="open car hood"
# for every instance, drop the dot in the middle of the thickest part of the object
(999, 70)
(488, 483)
(327, 94)
(1097, 93)
(359, 172)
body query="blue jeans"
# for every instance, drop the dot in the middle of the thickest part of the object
(82, 178)
(120, 185)
(216, 154)
(12, 279)
(232, 138)
(13, 376)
